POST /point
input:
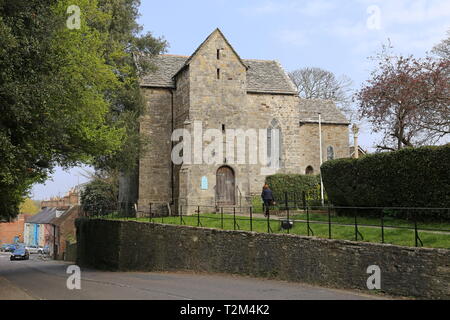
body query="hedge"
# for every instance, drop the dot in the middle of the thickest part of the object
(293, 183)
(411, 177)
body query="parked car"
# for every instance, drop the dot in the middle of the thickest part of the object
(8, 248)
(44, 250)
(20, 254)
(33, 249)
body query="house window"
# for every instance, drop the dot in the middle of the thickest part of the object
(218, 73)
(218, 54)
(309, 170)
(330, 153)
(223, 128)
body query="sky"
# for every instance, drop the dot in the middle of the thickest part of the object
(336, 35)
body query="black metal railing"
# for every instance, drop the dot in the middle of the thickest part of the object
(303, 214)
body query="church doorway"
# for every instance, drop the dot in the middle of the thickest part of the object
(225, 187)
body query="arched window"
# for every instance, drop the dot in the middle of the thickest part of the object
(274, 144)
(330, 153)
(309, 170)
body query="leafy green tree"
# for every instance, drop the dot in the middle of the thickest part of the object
(129, 55)
(29, 207)
(99, 197)
(64, 93)
(127, 45)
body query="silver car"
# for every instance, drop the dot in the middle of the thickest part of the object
(33, 249)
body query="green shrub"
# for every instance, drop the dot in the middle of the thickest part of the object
(411, 177)
(98, 197)
(295, 184)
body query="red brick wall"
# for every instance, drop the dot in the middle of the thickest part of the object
(9, 230)
(66, 229)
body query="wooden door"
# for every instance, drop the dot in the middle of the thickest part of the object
(225, 186)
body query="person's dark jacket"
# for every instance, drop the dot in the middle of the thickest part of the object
(267, 195)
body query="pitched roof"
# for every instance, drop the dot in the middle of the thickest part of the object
(166, 67)
(263, 76)
(46, 215)
(268, 76)
(72, 211)
(310, 109)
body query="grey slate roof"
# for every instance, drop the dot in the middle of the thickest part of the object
(268, 76)
(309, 109)
(264, 76)
(46, 215)
(166, 67)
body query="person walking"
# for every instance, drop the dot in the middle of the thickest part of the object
(268, 199)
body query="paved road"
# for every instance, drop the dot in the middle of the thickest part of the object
(37, 279)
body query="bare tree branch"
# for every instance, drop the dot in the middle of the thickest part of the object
(316, 83)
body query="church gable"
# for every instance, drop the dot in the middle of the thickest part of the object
(216, 59)
(216, 40)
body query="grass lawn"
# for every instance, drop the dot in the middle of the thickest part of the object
(392, 235)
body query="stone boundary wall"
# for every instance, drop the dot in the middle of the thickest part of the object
(137, 246)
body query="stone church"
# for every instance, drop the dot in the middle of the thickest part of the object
(217, 88)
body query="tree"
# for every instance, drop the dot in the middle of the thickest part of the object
(127, 45)
(136, 51)
(407, 100)
(100, 195)
(317, 83)
(29, 207)
(63, 92)
(443, 48)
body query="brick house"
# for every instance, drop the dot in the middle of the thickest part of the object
(66, 232)
(13, 231)
(52, 227)
(217, 88)
(39, 229)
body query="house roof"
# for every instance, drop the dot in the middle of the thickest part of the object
(166, 66)
(74, 210)
(268, 76)
(46, 215)
(361, 151)
(330, 114)
(263, 76)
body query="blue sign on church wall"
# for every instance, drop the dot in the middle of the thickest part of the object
(204, 183)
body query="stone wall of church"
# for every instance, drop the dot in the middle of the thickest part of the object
(333, 135)
(155, 163)
(261, 110)
(181, 115)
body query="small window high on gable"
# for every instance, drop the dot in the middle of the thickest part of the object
(218, 54)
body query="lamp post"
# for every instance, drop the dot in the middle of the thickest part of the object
(321, 158)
